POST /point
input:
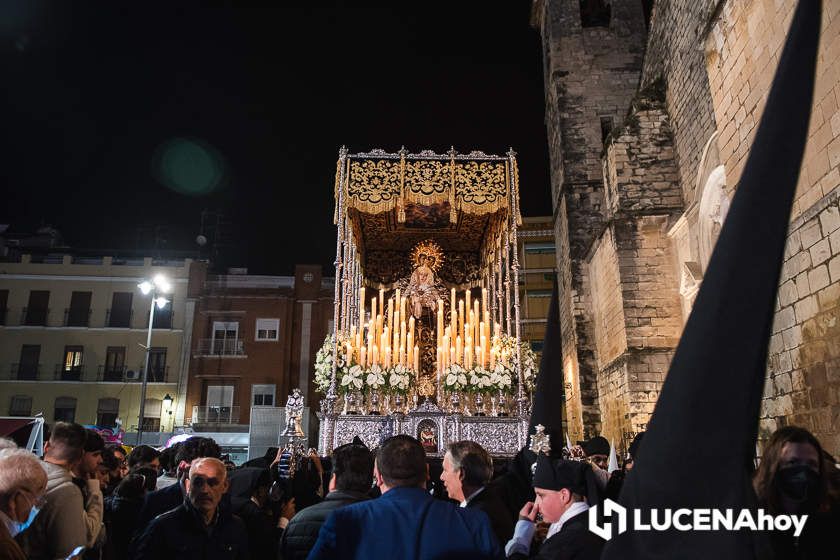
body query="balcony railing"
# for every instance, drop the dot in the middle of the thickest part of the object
(215, 415)
(156, 374)
(76, 317)
(73, 373)
(25, 372)
(128, 374)
(34, 316)
(119, 320)
(111, 373)
(221, 347)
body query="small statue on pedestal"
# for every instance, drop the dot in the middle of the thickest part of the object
(294, 413)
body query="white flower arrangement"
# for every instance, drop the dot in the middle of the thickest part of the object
(455, 378)
(505, 345)
(375, 378)
(501, 378)
(530, 369)
(399, 379)
(324, 364)
(479, 380)
(352, 379)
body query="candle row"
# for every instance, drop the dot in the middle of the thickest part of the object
(387, 339)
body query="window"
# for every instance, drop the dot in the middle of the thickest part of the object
(151, 415)
(219, 403)
(263, 395)
(594, 13)
(267, 329)
(163, 317)
(35, 313)
(114, 363)
(119, 316)
(157, 365)
(78, 315)
(21, 405)
(71, 370)
(225, 337)
(107, 412)
(606, 128)
(30, 355)
(65, 409)
(4, 301)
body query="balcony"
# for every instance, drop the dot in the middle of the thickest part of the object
(34, 316)
(156, 374)
(62, 372)
(215, 415)
(25, 372)
(220, 347)
(75, 317)
(119, 319)
(112, 373)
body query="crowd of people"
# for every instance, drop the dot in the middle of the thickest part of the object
(88, 500)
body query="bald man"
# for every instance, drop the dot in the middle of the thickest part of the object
(200, 528)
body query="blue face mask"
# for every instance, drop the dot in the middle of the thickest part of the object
(19, 527)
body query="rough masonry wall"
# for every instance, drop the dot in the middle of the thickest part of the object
(742, 52)
(643, 200)
(674, 53)
(590, 73)
(607, 310)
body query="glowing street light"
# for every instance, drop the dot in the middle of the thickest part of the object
(156, 286)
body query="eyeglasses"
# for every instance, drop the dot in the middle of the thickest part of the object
(200, 482)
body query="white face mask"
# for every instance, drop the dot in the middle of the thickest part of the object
(18, 527)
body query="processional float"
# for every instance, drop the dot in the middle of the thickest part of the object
(426, 330)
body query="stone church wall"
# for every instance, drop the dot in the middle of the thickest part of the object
(742, 50)
(654, 198)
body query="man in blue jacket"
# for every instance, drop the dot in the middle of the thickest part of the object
(405, 522)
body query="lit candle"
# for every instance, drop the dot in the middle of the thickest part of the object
(398, 297)
(439, 321)
(363, 357)
(388, 357)
(452, 312)
(484, 299)
(391, 313)
(469, 297)
(452, 355)
(458, 350)
(475, 321)
(460, 329)
(382, 301)
(375, 355)
(416, 360)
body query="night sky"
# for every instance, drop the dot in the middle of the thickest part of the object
(112, 112)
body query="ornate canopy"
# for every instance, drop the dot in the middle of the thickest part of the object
(392, 201)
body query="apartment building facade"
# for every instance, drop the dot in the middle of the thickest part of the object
(73, 334)
(254, 339)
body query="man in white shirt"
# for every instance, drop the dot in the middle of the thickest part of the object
(560, 487)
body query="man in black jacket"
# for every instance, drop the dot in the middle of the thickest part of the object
(561, 489)
(199, 528)
(467, 469)
(350, 482)
(170, 497)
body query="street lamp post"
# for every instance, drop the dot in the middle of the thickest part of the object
(158, 285)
